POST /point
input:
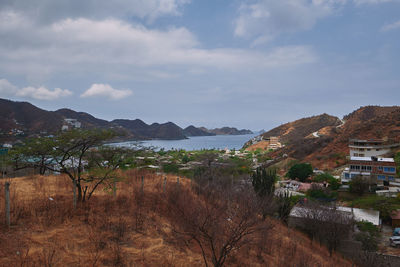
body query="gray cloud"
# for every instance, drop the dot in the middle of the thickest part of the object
(76, 44)
(49, 11)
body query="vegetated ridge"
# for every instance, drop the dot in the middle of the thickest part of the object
(193, 131)
(22, 119)
(226, 131)
(323, 140)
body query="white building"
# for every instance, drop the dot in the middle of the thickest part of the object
(369, 148)
(70, 123)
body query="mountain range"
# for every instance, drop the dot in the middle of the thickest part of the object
(323, 140)
(20, 119)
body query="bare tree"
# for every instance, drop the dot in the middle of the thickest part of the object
(219, 222)
(326, 223)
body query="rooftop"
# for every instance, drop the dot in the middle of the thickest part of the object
(367, 141)
(370, 159)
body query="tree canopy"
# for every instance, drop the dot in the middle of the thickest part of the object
(300, 171)
(78, 153)
(263, 181)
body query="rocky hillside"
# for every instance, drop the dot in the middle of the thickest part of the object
(323, 140)
(300, 129)
(371, 122)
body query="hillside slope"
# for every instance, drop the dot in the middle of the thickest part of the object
(226, 131)
(193, 131)
(323, 140)
(22, 119)
(299, 129)
(131, 229)
(27, 117)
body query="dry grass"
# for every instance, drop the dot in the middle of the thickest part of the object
(131, 229)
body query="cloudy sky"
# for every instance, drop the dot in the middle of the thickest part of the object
(244, 63)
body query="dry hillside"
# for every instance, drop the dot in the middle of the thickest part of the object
(329, 148)
(131, 229)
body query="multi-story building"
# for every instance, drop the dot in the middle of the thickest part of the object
(369, 148)
(366, 160)
(377, 169)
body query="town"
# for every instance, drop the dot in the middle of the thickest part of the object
(365, 191)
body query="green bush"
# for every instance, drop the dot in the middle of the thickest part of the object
(301, 171)
(170, 168)
(326, 177)
(368, 236)
(319, 192)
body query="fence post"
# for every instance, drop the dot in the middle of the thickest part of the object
(177, 181)
(165, 183)
(142, 188)
(115, 188)
(74, 190)
(7, 192)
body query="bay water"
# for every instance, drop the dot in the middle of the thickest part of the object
(194, 143)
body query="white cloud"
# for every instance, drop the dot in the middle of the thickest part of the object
(41, 93)
(6, 88)
(106, 90)
(391, 26)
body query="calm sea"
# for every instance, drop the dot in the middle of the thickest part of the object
(195, 143)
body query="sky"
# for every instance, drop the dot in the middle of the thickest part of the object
(251, 64)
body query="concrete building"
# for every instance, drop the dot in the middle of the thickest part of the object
(374, 168)
(70, 123)
(369, 148)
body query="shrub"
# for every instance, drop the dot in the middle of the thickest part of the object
(326, 177)
(300, 171)
(369, 236)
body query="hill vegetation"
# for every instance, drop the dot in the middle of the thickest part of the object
(139, 226)
(22, 119)
(323, 140)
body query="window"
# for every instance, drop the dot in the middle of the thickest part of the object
(377, 149)
(380, 168)
(361, 149)
(391, 178)
(354, 167)
(346, 175)
(389, 169)
(381, 177)
(366, 168)
(368, 149)
(355, 154)
(361, 155)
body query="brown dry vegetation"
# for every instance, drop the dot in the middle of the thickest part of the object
(131, 229)
(329, 151)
